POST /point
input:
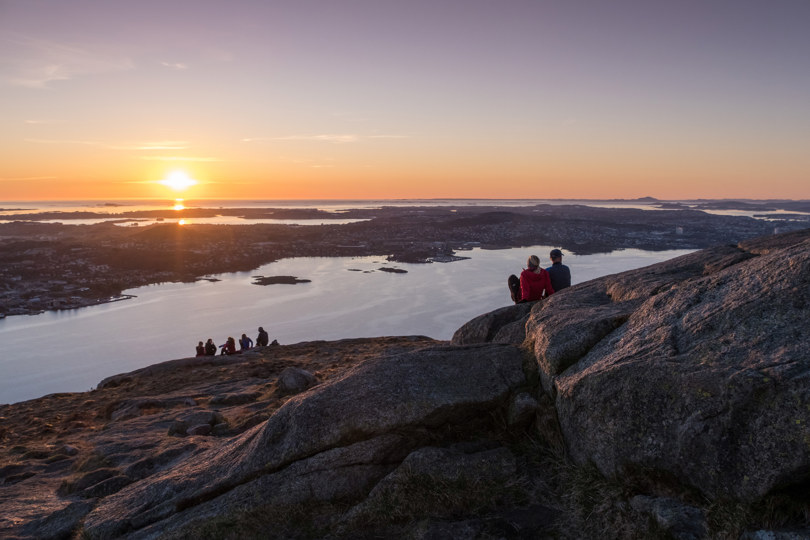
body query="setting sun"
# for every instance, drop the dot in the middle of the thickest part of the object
(178, 181)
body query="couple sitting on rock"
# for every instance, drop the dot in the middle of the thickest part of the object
(209, 349)
(536, 283)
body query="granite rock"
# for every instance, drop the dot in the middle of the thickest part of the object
(393, 394)
(697, 371)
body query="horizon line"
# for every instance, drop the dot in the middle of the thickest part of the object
(635, 199)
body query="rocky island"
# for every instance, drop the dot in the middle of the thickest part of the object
(47, 266)
(278, 280)
(665, 402)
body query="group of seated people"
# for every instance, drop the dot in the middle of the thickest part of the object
(536, 283)
(209, 348)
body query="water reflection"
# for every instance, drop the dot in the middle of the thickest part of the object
(347, 297)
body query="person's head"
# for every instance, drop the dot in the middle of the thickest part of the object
(533, 262)
(556, 255)
(200, 343)
(261, 329)
(243, 336)
(210, 340)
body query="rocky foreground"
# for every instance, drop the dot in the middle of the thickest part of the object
(667, 402)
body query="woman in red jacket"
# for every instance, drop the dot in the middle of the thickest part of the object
(229, 347)
(534, 282)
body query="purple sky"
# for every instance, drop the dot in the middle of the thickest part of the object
(407, 99)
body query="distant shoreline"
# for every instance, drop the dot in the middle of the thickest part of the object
(53, 266)
(230, 211)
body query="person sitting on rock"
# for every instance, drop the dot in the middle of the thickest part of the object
(245, 343)
(229, 347)
(210, 348)
(534, 283)
(559, 273)
(200, 349)
(263, 338)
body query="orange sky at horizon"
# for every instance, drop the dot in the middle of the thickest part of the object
(225, 180)
(314, 100)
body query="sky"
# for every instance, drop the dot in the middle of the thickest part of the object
(346, 99)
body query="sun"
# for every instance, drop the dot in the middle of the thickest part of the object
(178, 181)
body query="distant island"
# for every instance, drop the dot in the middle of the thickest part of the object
(48, 266)
(393, 270)
(278, 280)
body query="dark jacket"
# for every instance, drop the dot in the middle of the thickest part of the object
(560, 276)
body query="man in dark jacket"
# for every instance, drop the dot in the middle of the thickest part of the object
(263, 338)
(560, 274)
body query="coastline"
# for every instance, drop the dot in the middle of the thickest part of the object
(74, 303)
(52, 266)
(348, 297)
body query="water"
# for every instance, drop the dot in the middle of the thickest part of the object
(114, 208)
(73, 350)
(113, 211)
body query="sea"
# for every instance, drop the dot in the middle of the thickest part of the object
(345, 297)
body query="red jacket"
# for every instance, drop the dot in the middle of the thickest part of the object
(533, 284)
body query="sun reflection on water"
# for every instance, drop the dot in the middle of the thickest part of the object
(178, 205)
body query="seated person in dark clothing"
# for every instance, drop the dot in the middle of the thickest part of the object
(245, 343)
(559, 273)
(200, 349)
(262, 339)
(534, 283)
(210, 348)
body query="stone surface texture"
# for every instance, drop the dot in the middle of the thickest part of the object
(695, 368)
(685, 383)
(394, 394)
(504, 325)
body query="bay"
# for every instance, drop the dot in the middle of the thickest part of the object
(72, 350)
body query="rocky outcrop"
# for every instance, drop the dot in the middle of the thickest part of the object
(172, 366)
(294, 380)
(695, 369)
(439, 468)
(680, 521)
(565, 327)
(641, 403)
(504, 325)
(394, 401)
(62, 454)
